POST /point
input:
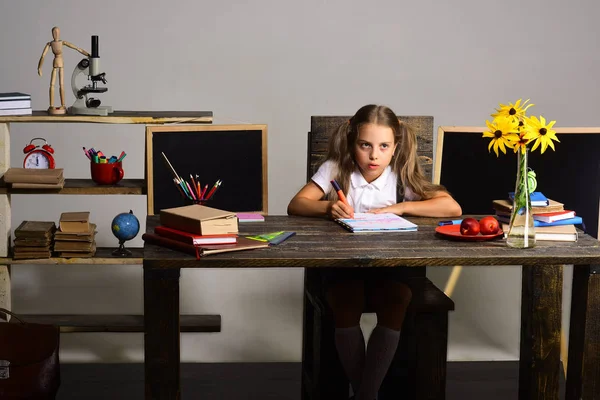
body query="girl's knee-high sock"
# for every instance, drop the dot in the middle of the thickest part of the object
(380, 353)
(350, 345)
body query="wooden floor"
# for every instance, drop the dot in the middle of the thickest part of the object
(264, 381)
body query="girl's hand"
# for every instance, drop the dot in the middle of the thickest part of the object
(341, 210)
(395, 209)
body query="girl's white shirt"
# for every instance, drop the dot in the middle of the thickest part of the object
(364, 196)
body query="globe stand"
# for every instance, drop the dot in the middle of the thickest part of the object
(122, 251)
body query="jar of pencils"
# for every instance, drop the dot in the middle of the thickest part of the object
(193, 193)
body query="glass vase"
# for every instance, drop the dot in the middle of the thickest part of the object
(521, 233)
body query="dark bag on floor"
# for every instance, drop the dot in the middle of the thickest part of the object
(29, 367)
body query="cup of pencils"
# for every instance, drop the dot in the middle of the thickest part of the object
(193, 192)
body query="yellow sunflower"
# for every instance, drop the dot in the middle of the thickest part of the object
(502, 131)
(538, 130)
(522, 140)
(515, 111)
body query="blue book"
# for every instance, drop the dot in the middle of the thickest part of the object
(536, 223)
(537, 199)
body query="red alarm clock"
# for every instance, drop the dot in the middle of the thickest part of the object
(38, 157)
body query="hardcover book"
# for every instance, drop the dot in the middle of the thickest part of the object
(26, 175)
(78, 221)
(537, 199)
(204, 250)
(200, 220)
(555, 216)
(506, 206)
(536, 223)
(560, 233)
(191, 238)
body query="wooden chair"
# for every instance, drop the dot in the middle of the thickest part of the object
(418, 370)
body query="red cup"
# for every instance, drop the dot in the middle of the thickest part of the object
(106, 174)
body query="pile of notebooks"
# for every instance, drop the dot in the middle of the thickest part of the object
(26, 178)
(200, 231)
(551, 220)
(76, 235)
(33, 239)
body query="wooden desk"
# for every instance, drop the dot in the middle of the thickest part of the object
(320, 243)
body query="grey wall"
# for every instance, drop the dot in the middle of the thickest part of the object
(278, 63)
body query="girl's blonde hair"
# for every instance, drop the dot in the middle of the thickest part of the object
(342, 144)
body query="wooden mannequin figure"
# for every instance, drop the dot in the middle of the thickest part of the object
(57, 66)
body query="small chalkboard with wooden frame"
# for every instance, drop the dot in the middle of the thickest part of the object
(234, 154)
(474, 176)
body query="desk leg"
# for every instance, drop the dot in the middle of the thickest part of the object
(161, 334)
(539, 365)
(583, 368)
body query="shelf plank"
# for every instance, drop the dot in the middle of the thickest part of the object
(119, 323)
(86, 186)
(103, 257)
(118, 117)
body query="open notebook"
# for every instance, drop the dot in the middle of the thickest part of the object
(367, 222)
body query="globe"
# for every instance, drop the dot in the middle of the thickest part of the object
(124, 226)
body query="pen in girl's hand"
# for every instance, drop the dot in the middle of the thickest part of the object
(338, 189)
(452, 222)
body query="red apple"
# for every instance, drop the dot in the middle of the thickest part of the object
(489, 225)
(469, 226)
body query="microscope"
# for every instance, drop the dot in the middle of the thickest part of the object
(84, 103)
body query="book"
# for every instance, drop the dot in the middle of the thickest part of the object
(273, 238)
(203, 250)
(250, 217)
(16, 111)
(560, 233)
(26, 175)
(35, 229)
(12, 104)
(191, 238)
(536, 223)
(201, 220)
(368, 222)
(554, 216)
(14, 96)
(39, 186)
(537, 199)
(506, 206)
(77, 221)
(77, 236)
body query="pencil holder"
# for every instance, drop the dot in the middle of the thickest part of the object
(107, 174)
(189, 202)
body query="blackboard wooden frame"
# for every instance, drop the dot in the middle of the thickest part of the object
(257, 154)
(570, 175)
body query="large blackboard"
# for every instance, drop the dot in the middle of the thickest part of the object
(235, 154)
(475, 177)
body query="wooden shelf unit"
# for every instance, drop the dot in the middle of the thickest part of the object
(86, 186)
(103, 256)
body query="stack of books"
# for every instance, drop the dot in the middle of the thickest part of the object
(33, 239)
(551, 220)
(26, 178)
(15, 103)
(200, 231)
(76, 236)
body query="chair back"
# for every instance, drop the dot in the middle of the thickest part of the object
(321, 128)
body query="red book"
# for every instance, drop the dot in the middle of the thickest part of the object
(172, 244)
(554, 216)
(192, 238)
(205, 250)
